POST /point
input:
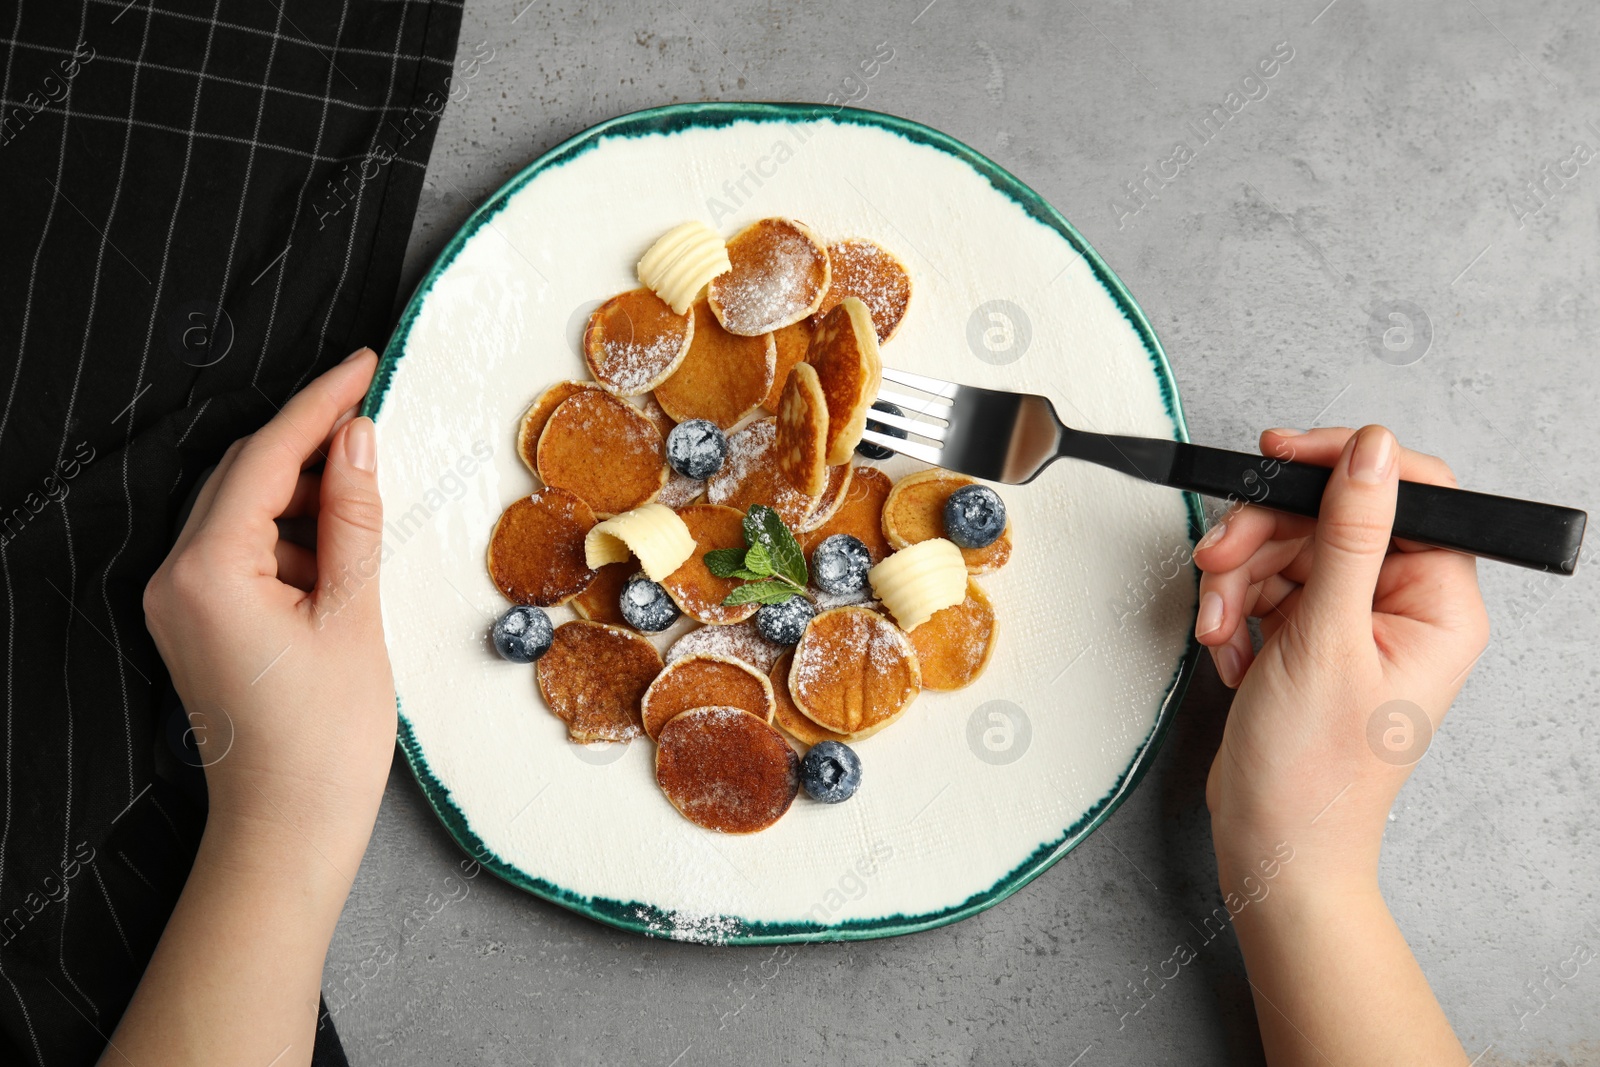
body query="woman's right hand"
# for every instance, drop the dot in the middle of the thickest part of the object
(1366, 644)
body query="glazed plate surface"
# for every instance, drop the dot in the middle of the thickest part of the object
(973, 793)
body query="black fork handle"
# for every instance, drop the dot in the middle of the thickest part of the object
(1545, 537)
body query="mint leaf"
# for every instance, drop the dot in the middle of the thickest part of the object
(771, 591)
(763, 527)
(725, 562)
(759, 560)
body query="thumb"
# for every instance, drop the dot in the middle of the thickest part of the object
(349, 525)
(1352, 538)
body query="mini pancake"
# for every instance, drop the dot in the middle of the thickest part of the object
(652, 411)
(790, 344)
(741, 641)
(844, 351)
(854, 672)
(803, 431)
(602, 600)
(788, 717)
(860, 514)
(692, 586)
(700, 681)
(726, 770)
(680, 491)
(536, 550)
(723, 378)
(634, 342)
(751, 475)
(538, 414)
(872, 274)
(914, 512)
(833, 495)
(605, 450)
(594, 677)
(954, 645)
(780, 275)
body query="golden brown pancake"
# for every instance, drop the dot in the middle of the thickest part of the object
(701, 681)
(833, 495)
(723, 378)
(790, 344)
(872, 274)
(954, 645)
(602, 600)
(854, 672)
(536, 550)
(726, 770)
(780, 274)
(751, 475)
(634, 342)
(680, 492)
(859, 514)
(605, 450)
(741, 641)
(788, 717)
(803, 431)
(694, 588)
(538, 414)
(652, 411)
(914, 512)
(844, 351)
(594, 677)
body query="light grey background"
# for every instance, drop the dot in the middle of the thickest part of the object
(1385, 167)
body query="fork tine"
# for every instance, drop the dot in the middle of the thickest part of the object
(920, 404)
(920, 381)
(931, 430)
(914, 449)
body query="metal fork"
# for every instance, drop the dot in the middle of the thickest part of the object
(1012, 437)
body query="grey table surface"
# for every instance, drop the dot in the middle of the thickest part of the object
(1420, 160)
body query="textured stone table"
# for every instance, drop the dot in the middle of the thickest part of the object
(1417, 160)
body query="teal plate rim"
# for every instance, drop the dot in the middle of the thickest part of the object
(647, 919)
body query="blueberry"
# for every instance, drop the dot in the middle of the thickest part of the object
(697, 448)
(830, 772)
(646, 605)
(872, 451)
(522, 634)
(782, 624)
(974, 516)
(840, 564)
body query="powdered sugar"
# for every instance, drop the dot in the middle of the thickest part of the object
(776, 268)
(741, 641)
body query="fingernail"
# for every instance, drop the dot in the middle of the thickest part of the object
(1369, 460)
(357, 353)
(361, 444)
(1229, 669)
(1210, 614)
(1283, 432)
(1213, 535)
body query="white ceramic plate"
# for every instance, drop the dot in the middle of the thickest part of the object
(972, 793)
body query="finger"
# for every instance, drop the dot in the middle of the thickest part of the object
(1240, 532)
(297, 566)
(1352, 538)
(268, 468)
(1323, 446)
(350, 526)
(1226, 597)
(1233, 658)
